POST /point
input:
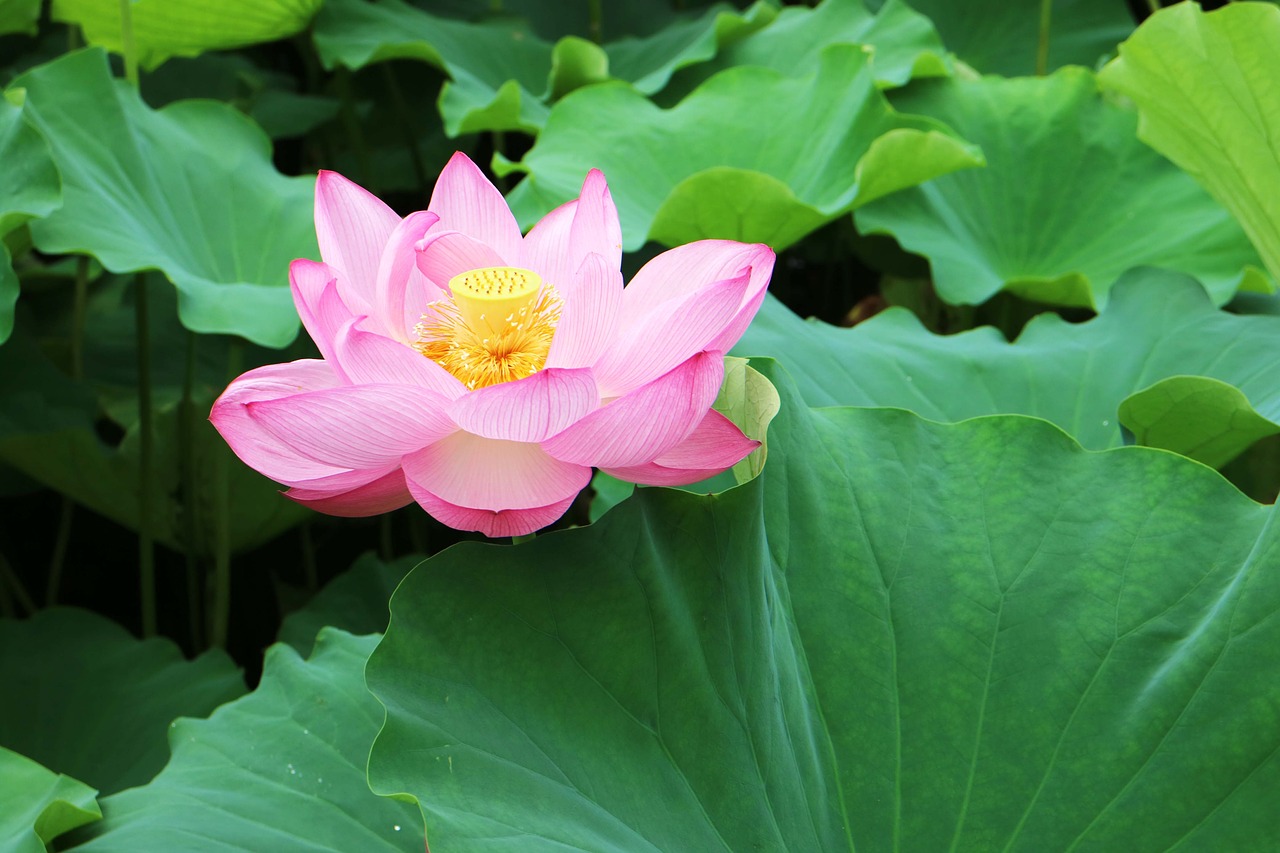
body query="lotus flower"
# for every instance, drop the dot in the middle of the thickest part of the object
(484, 374)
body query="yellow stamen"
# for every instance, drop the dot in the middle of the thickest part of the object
(496, 327)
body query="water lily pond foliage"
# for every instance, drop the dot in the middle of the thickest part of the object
(638, 426)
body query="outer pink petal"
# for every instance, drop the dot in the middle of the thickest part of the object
(507, 522)
(546, 247)
(484, 473)
(398, 266)
(716, 444)
(315, 295)
(382, 495)
(352, 227)
(467, 202)
(369, 358)
(443, 255)
(257, 447)
(588, 316)
(529, 409)
(648, 422)
(596, 229)
(668, 335)
(356, 426)
(676, 273)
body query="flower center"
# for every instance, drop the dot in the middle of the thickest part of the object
(496, 326)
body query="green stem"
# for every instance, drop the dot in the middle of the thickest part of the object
(16, 586)
(1154, 5)
(146, 544)
(406, 128)
(385, 550)
(309, 558)
(351, 123)
(1042, 49)
(126, 41)
(500, 142)
(187, 476)
(528, 537)
(220, 610)
(67, 511)
(595, 23)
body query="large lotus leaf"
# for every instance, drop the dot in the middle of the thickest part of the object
(162, 29)
(39, 805)
(716, 166)
(1069, 200)
(903, 42)
(88, 699)
(502, 73)
(28, 188)
(1004, 38)
(280, 769)
(1157, 325)
(19, 16)
(355, 601)
(189, 190)
(902, 635)
(1204, 85)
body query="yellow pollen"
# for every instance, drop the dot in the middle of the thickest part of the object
(496, 326)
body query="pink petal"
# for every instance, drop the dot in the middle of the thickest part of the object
(716, 445)
(588, 315)
(676, 273)
(356, 426)
(368, 358)
(257, 447)
(761, 272)
(529, 409)
(315, 295)
(546, 247)
(596, 229)
(352, 227)
(398, 266)
(382, 495)
(506, 522)
(484, 473)
(668, 335)
(467, 202)
(448, 253)
(648, 422)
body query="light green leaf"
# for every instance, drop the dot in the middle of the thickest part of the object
(189, 190)
(19, 16)
(749, 400)
(355, 601)
(91, 701)
(902, 635)
(1069, 200)
(29, 187)
(39, 805)
(1004, 38)
(280, 769)
(1157, 325)
(162, 29)
(1204, 85)
(714, 166)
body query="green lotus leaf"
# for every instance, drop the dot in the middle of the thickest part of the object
(355, 601)
(714, 166)
(163, 29)
(29, 188)
(1004, 38)
(1204, 86)
(903, 44)
(91, 701)
(901, 635)
(503, 73)
(279, 769)
(39, 805)
(1157, 325)
(189, 190)
(19, 16)
(1069, 200)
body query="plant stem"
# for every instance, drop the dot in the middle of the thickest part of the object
(146, 545)
(406, 127)
(528, 537)
(1042, 49)
(1154, 5)
(309, 557)
(351, 124)
(385, 549)
(595, 23)
(187, 476)
(126, 41)
(16, 586)
(60, 544)
(220, 611)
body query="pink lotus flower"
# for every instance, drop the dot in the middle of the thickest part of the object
(484, 374)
